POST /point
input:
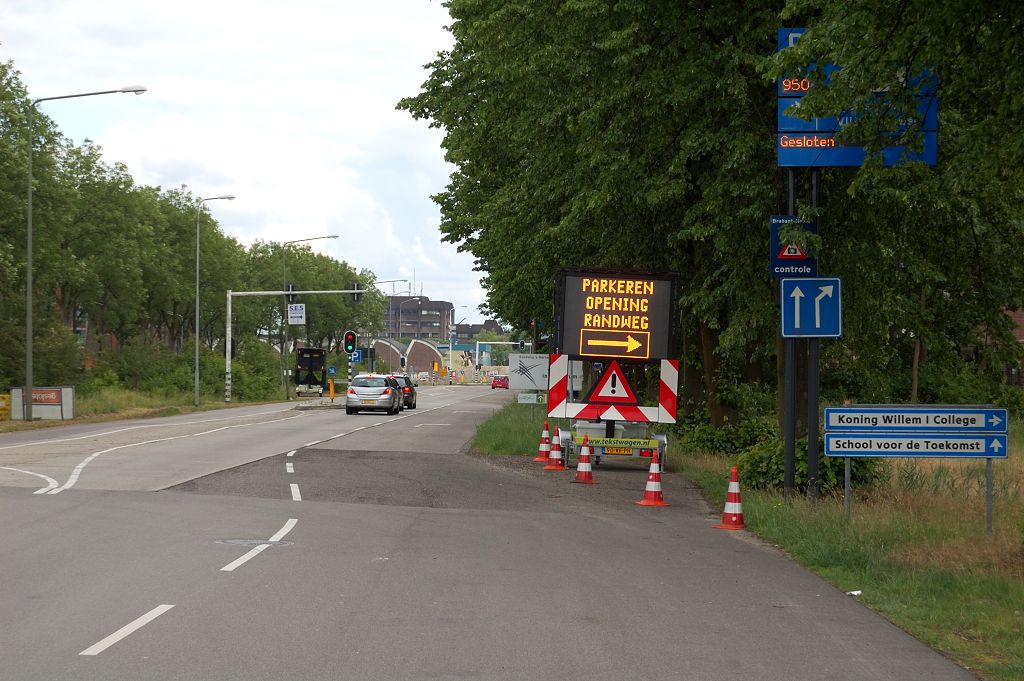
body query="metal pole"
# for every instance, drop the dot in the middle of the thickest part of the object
(196, 376)
(26, 395)
(847, 488)
(813, 381)
(988, 495)
(227, 352)
(789, 387)
(284, 321)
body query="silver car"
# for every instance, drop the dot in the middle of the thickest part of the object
(373, 392)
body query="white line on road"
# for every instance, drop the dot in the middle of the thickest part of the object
(126, 630)
(291, 453)
(50, 482)
(310, 444)
(289, 467)
(296, 496)
(85, 462)
(278, 536)
(420, 425)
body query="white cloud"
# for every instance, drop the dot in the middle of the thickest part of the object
(289, 107)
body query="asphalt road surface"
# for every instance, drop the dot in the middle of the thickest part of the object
(272, 543)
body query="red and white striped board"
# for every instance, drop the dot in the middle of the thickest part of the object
(560, 407)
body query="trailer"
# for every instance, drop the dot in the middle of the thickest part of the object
(614, 438)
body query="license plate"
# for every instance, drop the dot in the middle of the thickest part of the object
(369, 401)
(618, 450)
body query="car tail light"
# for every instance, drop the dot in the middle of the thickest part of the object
(407, 389)
(351, 391)
(387, 391)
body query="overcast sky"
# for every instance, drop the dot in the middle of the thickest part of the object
(288, 106)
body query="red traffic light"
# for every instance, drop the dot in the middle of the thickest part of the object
(350, 342)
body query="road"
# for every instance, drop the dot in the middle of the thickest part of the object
(270, 543)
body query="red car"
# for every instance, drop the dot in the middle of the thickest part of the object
(499, 382)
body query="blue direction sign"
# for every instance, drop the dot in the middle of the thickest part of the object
(812, 308)
(332, 370)
(790, 260)
(892, 419)
(915, 445)
(357, 356)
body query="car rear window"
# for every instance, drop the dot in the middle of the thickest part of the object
(369, 382)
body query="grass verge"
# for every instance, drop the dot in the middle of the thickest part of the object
(916, 544)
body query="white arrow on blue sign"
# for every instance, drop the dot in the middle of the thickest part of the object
(812, 308)
(914, 445)
(893, 419)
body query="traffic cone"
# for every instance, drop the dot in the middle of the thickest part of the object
(555, 460)
(544, 451)
(584, 471)
(732, 517)
(652, 493)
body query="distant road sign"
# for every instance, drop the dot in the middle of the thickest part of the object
(332, 370)
(893, 419)
(812, 308)
(296, 313)
(357, 356)
(787, 260)
(915, 445)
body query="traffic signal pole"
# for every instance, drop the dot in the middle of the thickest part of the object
(227, 323)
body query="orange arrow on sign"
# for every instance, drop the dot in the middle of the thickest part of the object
(630, 343)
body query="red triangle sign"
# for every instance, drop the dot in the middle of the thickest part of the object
(792, 252)
(612, 387)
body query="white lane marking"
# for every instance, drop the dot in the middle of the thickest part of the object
(147, 425)
(289, 467)
(50, 482)
(278, 536)
(420, 425)
(291, 453)
(296, 496)
(310, 444)
(85, 462)
(126, 630)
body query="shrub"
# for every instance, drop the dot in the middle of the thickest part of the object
(697, 434)
(762, 466)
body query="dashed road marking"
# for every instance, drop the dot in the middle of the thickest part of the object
(278, 536)
(126, 630)
(296, 495)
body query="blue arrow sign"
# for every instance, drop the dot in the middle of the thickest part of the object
(888, 445)
(812, 308)
(332, 370)
(915, 419)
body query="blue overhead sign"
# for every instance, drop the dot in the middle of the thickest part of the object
(791, 260)
(813, 143)
(915, 445)
(893, 419)
(812, 308)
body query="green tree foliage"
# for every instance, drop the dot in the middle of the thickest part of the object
(640, 135)
(114, 275)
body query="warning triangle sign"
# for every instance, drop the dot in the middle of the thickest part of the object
(793, 252)
(612, 387)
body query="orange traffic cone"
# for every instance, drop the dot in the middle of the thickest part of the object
(732, 517)
(584, 471)
(555, 460)
(652, 493)
(544, 451)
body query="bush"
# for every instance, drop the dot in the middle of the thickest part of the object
(762, 466)
(697, 434)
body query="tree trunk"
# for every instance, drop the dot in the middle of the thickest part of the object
(709, 343)
(693, 386)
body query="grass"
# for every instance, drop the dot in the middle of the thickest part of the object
(915, 545)
(108, 404)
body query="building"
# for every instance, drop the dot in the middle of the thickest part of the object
(418, 317)
(465, 332)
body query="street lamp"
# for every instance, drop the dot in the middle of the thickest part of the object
(284, 287)
(392, 282)
(409, 300)
(26, 396)
(199, 206)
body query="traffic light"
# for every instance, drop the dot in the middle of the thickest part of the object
(350, 342)
(522, 345)
(357, 287)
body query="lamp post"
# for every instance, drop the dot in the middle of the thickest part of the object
(284, 287)
(199, 206)
(26, 397)
(409, 300)
(392, 282)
